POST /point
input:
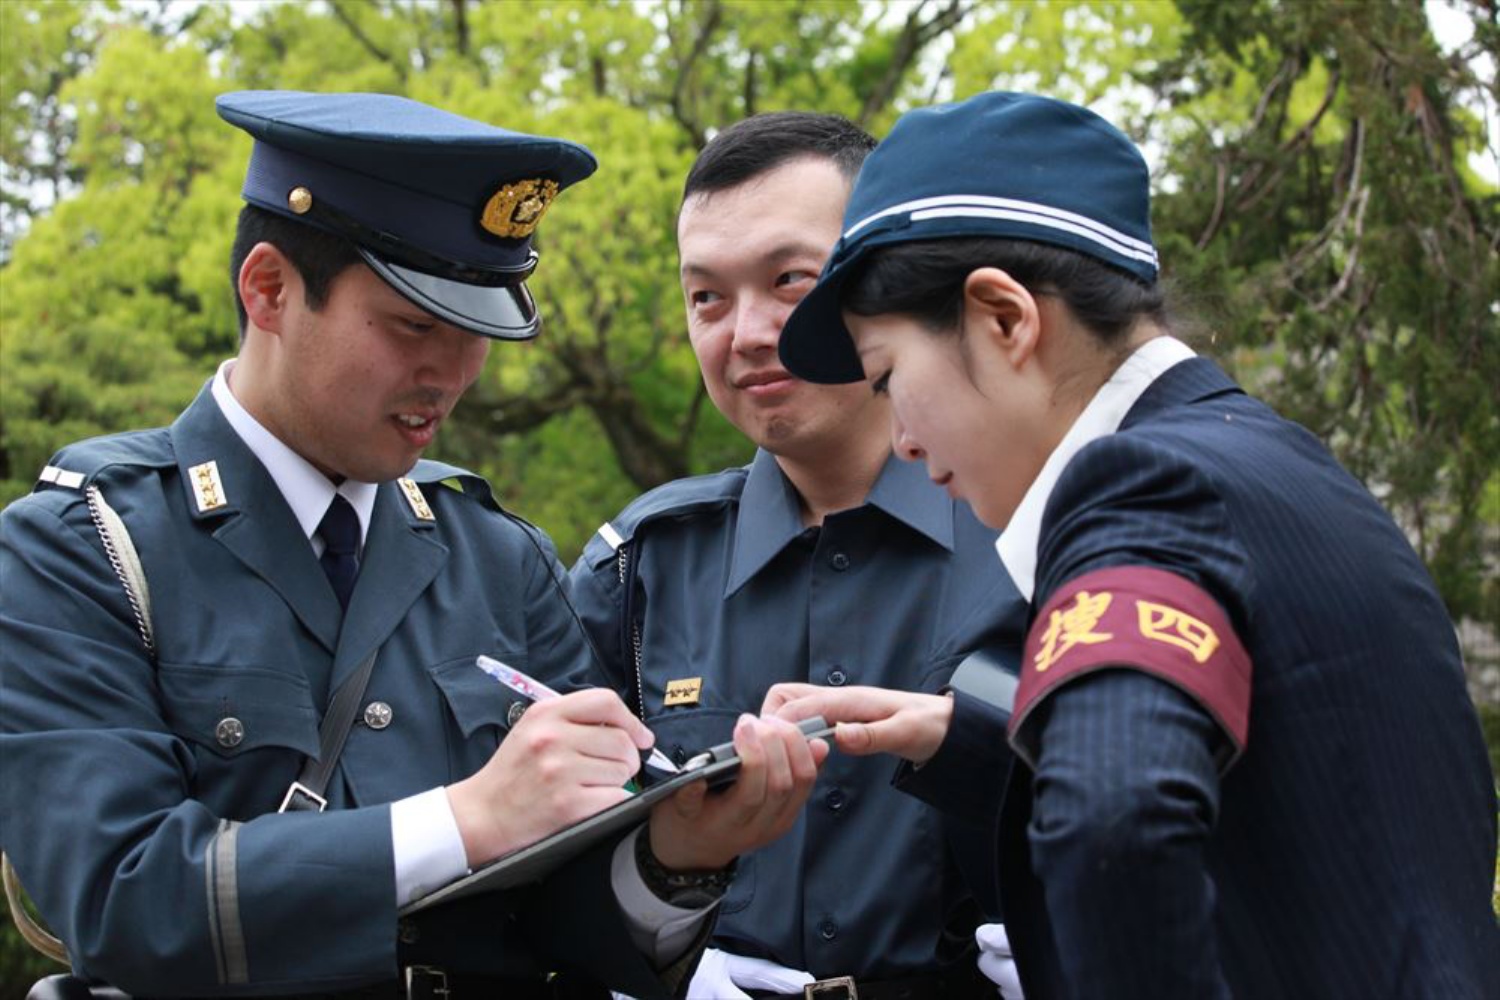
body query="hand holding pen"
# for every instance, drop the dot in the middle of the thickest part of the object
(534, 690)
(778, 765)
(566, 759)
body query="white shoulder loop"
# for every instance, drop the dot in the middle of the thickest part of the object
(61, 477)
(611, 536)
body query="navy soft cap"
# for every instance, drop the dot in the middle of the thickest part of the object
(440, 206)
(1004, 165)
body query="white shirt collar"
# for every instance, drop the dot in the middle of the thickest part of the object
(307, 491)
(1017, 544)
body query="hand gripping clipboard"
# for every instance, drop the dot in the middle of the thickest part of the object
(718, 765)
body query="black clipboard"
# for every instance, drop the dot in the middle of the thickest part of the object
(718, 765)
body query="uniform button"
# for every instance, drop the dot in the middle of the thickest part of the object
(679, 755)
(230, 732)
(835, 800)
(408, 932)
(839, 561)
(828, 930)
(514, 713)
(837, 677)
(377, 715)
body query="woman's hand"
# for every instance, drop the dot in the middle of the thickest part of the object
(870, 719)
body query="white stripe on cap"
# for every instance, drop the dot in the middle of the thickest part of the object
(985, 206)
(1038, 220)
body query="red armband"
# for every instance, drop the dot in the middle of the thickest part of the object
(1136, 618)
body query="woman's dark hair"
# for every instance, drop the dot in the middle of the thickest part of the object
(318, 256)
(925, 279)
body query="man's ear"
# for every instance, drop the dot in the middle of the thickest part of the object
(998, 308)
(267, 282)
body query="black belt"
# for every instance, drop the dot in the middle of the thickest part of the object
(954, 984)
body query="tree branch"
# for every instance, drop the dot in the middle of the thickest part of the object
(1221, 181)
(915, 34)
(342, 16)
(482, 415)
(1351, 265)
(690, 419)
(1304, 256)
(747, 97)
(460, 27)
(706, 28)
(1298, 140)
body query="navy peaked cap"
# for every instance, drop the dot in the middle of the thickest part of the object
(442, 207)
(1006, 165)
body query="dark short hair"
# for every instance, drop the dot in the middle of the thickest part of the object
(318, 256)
(763, 142)
(925, 280)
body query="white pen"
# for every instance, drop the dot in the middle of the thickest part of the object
(534, 690)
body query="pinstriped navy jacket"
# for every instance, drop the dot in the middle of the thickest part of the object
(1349, 851)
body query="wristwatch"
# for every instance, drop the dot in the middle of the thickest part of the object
(690, 890)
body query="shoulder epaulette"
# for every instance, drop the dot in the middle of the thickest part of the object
(470, 484)
(77, 465)
(679, 498)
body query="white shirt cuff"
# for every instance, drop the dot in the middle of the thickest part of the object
(428, 848)
(661, 931)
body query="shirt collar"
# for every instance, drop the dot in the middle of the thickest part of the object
(1018, 543)
(769, 516)
(770, 511)
(904, 492)
(307, 491)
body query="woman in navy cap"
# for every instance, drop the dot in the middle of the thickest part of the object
(1248, 763)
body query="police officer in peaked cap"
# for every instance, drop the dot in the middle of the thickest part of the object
(184, 606)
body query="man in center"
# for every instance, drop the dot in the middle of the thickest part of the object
(825, 560)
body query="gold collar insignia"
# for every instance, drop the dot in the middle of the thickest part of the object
(415, 499)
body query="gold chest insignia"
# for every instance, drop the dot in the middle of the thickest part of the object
(684, 691)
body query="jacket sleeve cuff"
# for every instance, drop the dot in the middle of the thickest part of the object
(966, 778)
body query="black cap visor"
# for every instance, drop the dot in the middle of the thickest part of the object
(815, 345)
(504, 312)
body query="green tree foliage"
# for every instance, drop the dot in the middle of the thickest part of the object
(1314, 204)
(1327, 206)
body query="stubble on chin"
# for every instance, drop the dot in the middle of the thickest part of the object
(777, 431)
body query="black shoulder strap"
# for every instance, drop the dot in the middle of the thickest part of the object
(306, 794)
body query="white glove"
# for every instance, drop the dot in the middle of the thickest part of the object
(995, 960)
(721, 975)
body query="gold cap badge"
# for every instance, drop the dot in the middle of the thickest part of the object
(515, 209)
(208, 489)
(299, 200)
(684, 691)
(415, 499)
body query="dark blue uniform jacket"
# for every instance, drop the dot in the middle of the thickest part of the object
(1350, 850)
(150, 841)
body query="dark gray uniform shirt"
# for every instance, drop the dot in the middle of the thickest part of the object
(729, 594)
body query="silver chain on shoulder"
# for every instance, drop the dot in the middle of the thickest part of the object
(126, 564)
(635, 635)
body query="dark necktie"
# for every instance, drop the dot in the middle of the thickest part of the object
(339, 530)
